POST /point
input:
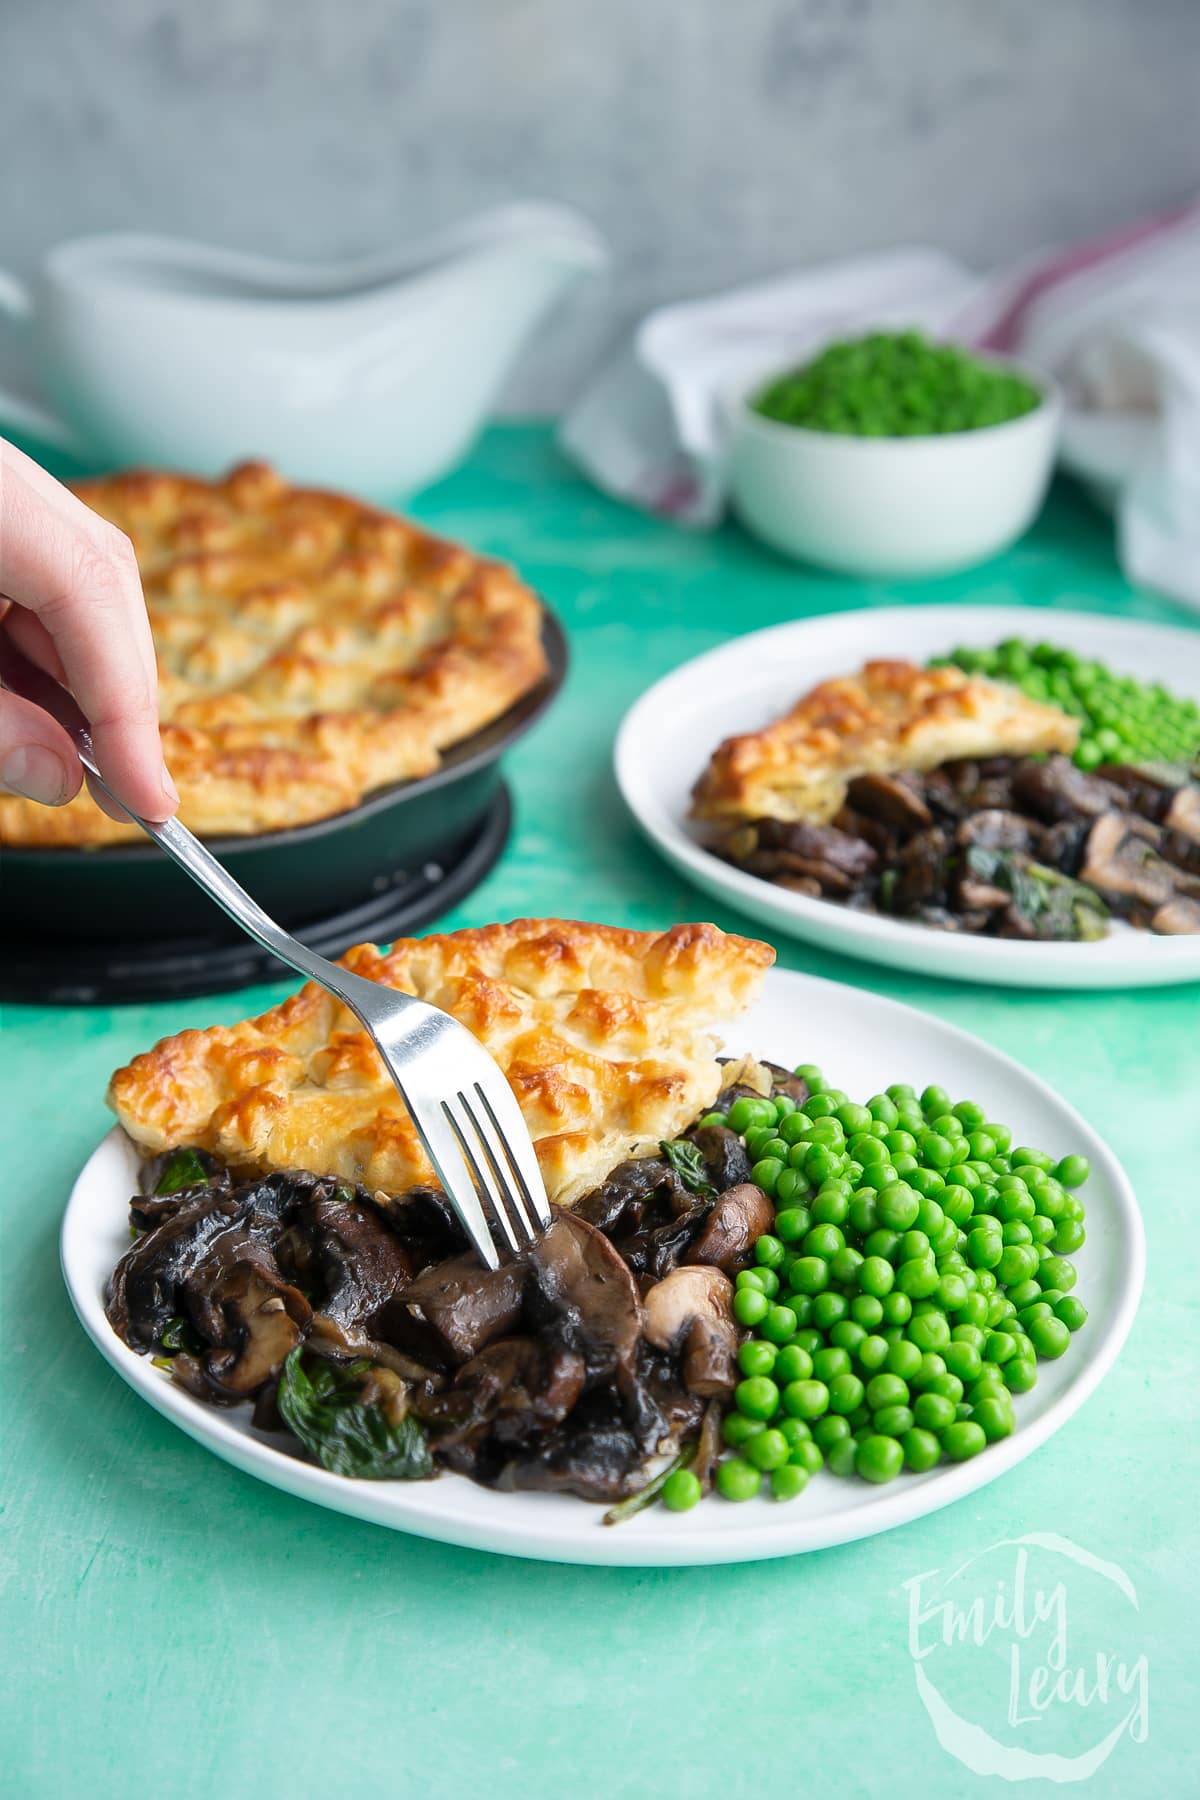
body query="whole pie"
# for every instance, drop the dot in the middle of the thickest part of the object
(310, 649)
(605, 1036)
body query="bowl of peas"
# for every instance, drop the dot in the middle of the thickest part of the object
(893, 455)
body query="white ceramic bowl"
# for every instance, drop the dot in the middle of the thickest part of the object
(891, 506)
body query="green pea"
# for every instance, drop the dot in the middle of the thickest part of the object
(903, 1359)
(873, 1353)
(840, 1458)
(994, 1418)
(828, 1430)
(1069, 1236)
(793, 1363)
(1071, 1312)
(757, 1397)
(738, 1479)
(933, 1412)
(829, 1309)
(766, 1174)
(878, 1458)
(795, 1431)
(1073, 1171)
(1057, 1272)
(930, 1332)
(918, 1278)
(830, 1362)
(746, 1113)
(892, 1421)
(681, 1491)
(768, 1450)
(963, 1360)
(897, 1308)
(963, 1440)
(756, 1358)
(750, 1306)
(779, 1324)
(886, 1390)
(806, 1399)
(845, 1264)
(876, 1276)
(845, 1393)
(1020, 1374)
(792, 1224)
(898, 1206)
(866, 1310)
(737, 1429)
(810, 1275)
(921, 1449)
(1049, 1337)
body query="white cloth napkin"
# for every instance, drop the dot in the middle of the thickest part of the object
(1115, 320)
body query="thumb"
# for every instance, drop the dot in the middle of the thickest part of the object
(37, 759)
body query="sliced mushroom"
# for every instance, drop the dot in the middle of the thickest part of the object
(587, 1289)
(1179, 917)
(362, 1263)
(1183, 814)
(739, 1217)
(894, 800)
(1121, 861)
(995, 830)
(618, 1205)
(1057, 789)
(253, 1318)
(691, 1312)
(454, 1309)
(726, 1158)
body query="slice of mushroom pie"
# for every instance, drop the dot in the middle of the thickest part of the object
(605, 1035)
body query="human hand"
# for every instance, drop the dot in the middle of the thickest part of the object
(71, 600)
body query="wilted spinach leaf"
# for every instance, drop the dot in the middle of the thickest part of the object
(1057, 907)
(689, 1165)
(182, 1169)
(178, 1334)
(324, 1410)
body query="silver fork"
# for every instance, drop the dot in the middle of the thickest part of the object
(465, 1113)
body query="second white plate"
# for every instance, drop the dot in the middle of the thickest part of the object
(668, 735)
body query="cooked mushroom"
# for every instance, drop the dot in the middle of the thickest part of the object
(1121, 861)
(1183, 814)
(585, 1286)
(995, 830)
(1057, 789)
(726, 1158)
(895, 800)
(360, 1261)
(619, 1204)
(739, 1217)
(690, 1311)
(819, 853)
(454, 1309)
(1179, 917)
(261, 1320)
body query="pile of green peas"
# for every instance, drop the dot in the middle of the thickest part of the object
(918, 1270)
(1121, 720)
(896, 384)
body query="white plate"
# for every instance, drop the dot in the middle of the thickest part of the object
(668, 735)
(861, 1042)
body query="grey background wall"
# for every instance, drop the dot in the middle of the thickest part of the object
(712, 140)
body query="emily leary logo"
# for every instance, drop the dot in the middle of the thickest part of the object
(1008, 1688)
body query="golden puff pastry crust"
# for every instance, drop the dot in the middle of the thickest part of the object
(310, 648)
(604, 1034)
(888, 717)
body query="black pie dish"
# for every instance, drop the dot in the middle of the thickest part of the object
(120, 892)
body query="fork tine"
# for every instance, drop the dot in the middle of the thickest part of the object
(509, 1123)
(469, 1140)
(500, 1158)
(451, 1169)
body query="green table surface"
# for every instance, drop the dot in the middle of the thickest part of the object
(170, 1622)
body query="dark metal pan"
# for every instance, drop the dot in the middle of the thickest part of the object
(124, 892)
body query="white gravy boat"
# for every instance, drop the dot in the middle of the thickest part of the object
(374, 374)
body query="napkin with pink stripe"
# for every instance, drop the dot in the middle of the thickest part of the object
(1115, 320)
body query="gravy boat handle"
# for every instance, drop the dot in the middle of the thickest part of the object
(21, 412)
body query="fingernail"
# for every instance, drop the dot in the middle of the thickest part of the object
(36, 773)
(168, 786)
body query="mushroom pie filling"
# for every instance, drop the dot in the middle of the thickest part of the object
(944, 798)
(310, 649)
(292, 1248)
